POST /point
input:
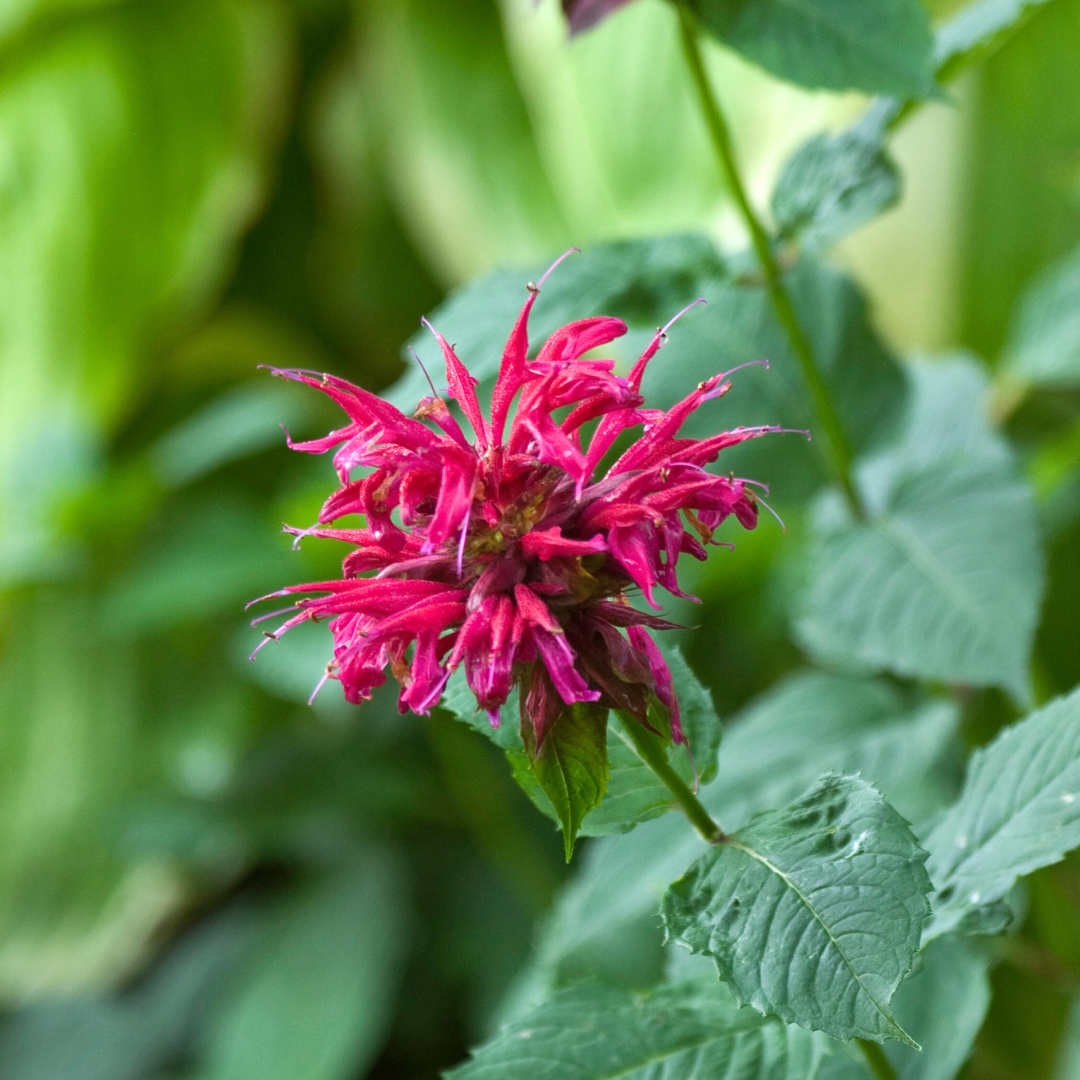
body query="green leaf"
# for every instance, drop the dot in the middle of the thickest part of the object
(316, 1001)
(833, 184)
(942, 1004)
(773, 752)
(644, 281)
(1019, 810)
(878, 46)
(682, 1031)
(812, 913)
(977, 28)
(944, 579)
(571, 765)
(1044, 340)
(634, 793)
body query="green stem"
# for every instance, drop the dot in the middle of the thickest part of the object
(654, 755)
(879, 1064)
(839, 450)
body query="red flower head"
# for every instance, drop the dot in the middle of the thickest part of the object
(509, 553)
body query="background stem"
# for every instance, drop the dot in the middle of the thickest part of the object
(839, 450)
(879, 1064)
(655, 757)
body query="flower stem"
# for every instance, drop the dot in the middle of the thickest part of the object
(838, 447)
(654, 755)
(879, 1064)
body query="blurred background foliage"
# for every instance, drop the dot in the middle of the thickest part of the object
(201, 876)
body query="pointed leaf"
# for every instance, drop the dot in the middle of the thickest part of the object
(571, 765)
(812, 913)
(1019, 810)
(682, 1031)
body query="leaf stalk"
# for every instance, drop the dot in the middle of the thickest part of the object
(654, 755)
(879, 1064)
(839, 449)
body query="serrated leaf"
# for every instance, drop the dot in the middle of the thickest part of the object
(682, 1031)
(813, 913)
(877, 46)
(634, 793)
(944, 578)
(833, 184)
(773, 751)
(942, 1004)
(1019, 810)
(571, 765)
(1044, 342)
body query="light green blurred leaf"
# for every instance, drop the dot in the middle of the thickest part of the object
(812, 913)
(319, 993)
(944, 579)
(878, 46)
(124, 184)
(1044, 340)
(1019, 810)
(681, 1031)
(977, 27)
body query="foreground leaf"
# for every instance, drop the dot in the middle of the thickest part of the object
(773, 752)
(812, 913)
(1019, 810)
(571, 765)
(878, 46)
(634, 793)
(682, 1031)
(1044, 345)
(944, 579)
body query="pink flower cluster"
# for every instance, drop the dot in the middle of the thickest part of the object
(509, 552)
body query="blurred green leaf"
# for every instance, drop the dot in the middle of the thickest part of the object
(878, 46)
(319, 993)
(683, 1030)
(1019, 810)
(1044, 341)
(123, 186)
(571, 765)
(944, 579)
(130, 1035)
(645, 281)
(812, 913)
(833, 184)
(977, 27)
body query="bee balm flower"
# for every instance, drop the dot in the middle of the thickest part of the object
(508, 550)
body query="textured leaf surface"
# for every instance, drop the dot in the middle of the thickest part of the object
(772, 753)
(941, 1004)
(812, 913)
(1019, 810)
(1044, 346)
(571, 765)
(316, 1002)
(634, 794)
(878, 46)
(680, 1031)
(945, 578)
